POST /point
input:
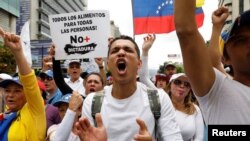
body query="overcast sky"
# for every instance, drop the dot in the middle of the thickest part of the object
(121, 14)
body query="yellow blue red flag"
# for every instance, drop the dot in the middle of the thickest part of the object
(157, 16)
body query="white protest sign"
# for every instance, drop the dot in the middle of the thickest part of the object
(80, 34)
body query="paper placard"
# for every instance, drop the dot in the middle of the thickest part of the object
(80, 34)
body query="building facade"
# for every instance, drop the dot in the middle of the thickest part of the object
(236, 7)
(41, 9)
(9, 11)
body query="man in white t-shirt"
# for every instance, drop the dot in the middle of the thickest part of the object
(75, 81)
(125, 110)
(222, 100)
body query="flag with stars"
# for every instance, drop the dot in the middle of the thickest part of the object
(157, 16)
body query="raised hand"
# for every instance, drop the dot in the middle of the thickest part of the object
(99, 62)
(87, 132)
(147, 44)
(143, 134)
(12, 41)
(47, 63)
(110, 39)
(76, 101)
(52, 50)
(219, 17)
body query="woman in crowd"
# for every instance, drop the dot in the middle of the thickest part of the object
(188, 114)
(161, 81)
(25, 116)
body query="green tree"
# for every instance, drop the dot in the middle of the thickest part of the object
(179, 67)
(7, 61)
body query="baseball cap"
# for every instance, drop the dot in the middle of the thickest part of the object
(74, 61)
(47, 73)
(160, 76)
(177, 75)
(65, 99)
(170, 64)
(7, 82)
(222, 39)
(240, 21)
(5, 76)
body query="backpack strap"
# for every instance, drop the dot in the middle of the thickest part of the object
(97, 104)
(155, 106)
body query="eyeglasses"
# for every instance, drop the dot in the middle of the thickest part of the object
(179, 83)
(46, 78)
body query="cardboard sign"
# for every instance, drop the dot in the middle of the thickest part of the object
(80, 34)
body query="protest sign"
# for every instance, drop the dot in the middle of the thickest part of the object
(80, 34)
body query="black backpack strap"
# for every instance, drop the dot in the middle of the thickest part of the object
(155, 106)
(97, 104)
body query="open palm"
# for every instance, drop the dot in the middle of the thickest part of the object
(87, 132)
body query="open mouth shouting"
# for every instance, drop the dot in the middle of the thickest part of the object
(92, 90)
(74, 72)
(121, 65)
(10, 102)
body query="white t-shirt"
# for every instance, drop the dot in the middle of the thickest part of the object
(76, 86)
(227, 102)
(53, 129)
(119, 115)
(192, 126)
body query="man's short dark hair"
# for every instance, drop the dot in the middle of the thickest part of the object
(94, 73)
(125, 37)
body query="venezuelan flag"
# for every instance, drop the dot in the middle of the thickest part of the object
(156, 16)
(199, 3)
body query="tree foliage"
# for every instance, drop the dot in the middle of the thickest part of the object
(7, 61)
(179, 67)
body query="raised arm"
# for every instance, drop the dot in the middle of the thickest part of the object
(143, 71)
(196, 60)
(218, 19)
(14, 43)
(99, 62)
(58, 77)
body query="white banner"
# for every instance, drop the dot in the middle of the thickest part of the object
(25, 36)
(80, 34)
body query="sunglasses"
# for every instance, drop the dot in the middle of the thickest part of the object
(46, 78)
(179, 83)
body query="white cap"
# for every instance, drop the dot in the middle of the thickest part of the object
(74, 61)
(177, 75)
(5, 76)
